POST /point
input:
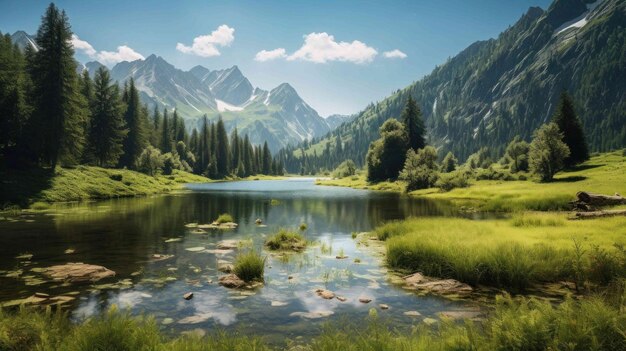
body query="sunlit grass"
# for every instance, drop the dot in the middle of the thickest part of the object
(514, 253)
(87, 182)
(250, 266)
(286, 240)
(604, 173)
(514, 324)
(224, 218)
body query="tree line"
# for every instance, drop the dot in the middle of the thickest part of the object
(401, 152)
(51, 115)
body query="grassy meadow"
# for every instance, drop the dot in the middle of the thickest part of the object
(514, 254)
(604, 173)
(36, 188)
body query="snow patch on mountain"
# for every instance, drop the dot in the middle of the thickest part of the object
(224, 106)
(580, 21)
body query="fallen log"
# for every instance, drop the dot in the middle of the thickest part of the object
(599, 214)
(592, 199)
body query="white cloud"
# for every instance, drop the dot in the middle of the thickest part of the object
(123, 53)
(394, 54)
(83, 46)
(322, 48)
(265, 55)
(206, 45)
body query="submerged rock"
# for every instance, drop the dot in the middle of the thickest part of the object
(383, 306)
(312, 315)
(325, 294)
(462, 314)
(39, 299)
(258, 221)
(412, 313)
(160, 257)
(188, 296)
(225, 266)
(426, 284)
(195, 319)
(365, 300)
(78, 272)
(231, 281)
(278, 303)
(228, 245)
(215, 225)
(342, 299)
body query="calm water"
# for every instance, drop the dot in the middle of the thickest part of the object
(123, 234)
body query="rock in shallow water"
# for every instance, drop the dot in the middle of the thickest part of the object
(426, 284)
(188, 296)
(325, 294)
(78, 272)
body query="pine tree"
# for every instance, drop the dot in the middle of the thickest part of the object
(573, 135)
(267, 159)
(247, 156)
(58, 134)
(107, 129)
(204, 154)
(412, 118)
(155, 140)
(14, 111)
(135, 120)
(235, 154)
(166, 140)
(222, 151)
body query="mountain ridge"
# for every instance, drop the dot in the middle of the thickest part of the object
(497, 88)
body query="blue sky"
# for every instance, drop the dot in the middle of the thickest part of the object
(333, 51)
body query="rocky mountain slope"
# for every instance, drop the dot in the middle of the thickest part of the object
(498, 88)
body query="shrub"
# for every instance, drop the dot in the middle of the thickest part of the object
(347, 168)
(150, 161)
(491, 173)
(250, 266)
(303, 227)
(449, 163)
(40, 206)
(224, 218)
(171, 161)
(452, 180)
(286, 240)
(517, 153)
(420, 169)
(547, 152)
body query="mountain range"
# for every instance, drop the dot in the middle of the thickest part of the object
(498, 88)
(279, 116)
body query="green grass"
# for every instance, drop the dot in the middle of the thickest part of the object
(224, 218)
(28, 188)
(515, 253)
(250, 266)
(514, 324)
(604, 173)
(286, 240)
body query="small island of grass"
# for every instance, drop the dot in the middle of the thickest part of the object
(286, 240)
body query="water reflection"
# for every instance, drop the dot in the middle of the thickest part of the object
(123, 235)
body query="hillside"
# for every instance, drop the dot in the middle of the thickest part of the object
(498, 88)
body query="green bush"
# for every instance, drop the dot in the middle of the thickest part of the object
(455, 179)
(150, 161)
(420, 169)
(116, 177)
(224, 218)
(347, 168)
(286, 240)
(250, 266)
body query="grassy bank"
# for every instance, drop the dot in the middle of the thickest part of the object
(514, 254)
(515, 324)
(605, 173)
(85, 182)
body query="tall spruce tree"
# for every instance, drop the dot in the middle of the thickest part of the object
(166, 139)
(235, 152)
(573, 135)
(247, 156)
(155, 139)
(266, 160)
(60, 111)
(414, 125)
(222, 151)
(14, 111)
(107, 128)
(135, 119)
